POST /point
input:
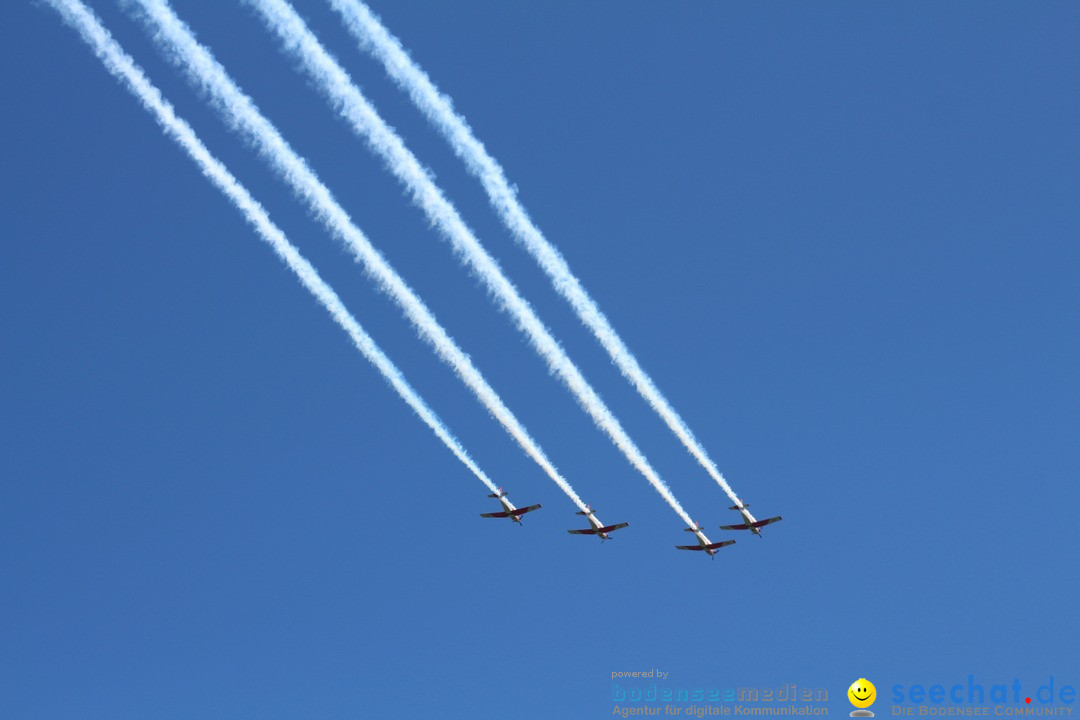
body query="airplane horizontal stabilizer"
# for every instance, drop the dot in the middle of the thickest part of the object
(736, 507)
(497, 495)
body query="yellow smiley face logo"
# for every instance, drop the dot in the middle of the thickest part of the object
(862, 693)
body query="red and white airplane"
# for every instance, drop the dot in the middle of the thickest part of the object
(750, 523)
(509, 511)
(598, 528)
(703, 542)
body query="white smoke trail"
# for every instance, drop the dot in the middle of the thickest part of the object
(377, 40)
(124, 69)
(238, 109)
(351, 104)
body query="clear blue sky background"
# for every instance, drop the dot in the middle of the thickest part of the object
(843, 239)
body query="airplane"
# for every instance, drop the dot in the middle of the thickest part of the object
(750, 524)
(703, 542)
(597, 528)
(509, 510)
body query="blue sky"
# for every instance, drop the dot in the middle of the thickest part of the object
(842, 239)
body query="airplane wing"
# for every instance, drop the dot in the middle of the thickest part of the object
(521, 511)
(613, 528)
(763, 523)
(496, 514)
(717, 546)
(689, 547)
(742, 526)
(582, 532)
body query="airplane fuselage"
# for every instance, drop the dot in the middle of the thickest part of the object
(509, 507)
(596, 527)
(704, 544)
(591, 517)
(704, 541)
(750, 522)
(749, 519)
